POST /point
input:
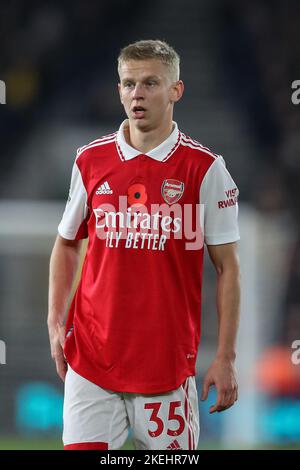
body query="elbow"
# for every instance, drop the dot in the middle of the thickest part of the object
(231, 268)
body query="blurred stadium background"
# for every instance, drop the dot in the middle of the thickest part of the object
(239, 59)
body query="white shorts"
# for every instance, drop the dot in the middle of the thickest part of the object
(96, 418)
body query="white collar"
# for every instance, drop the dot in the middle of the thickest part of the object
(160, 153)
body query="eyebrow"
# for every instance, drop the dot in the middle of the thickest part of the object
(150, 77)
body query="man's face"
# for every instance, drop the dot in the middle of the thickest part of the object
(148, 93)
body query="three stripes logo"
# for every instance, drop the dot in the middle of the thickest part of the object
(174, 445)
(104, 189)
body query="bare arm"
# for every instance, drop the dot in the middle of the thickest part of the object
(222, 371)
(64, 263)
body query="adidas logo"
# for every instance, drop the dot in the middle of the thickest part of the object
(104, 189)
(174, 445)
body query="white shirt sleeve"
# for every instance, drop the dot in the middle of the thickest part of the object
(72, 225)
(219, 194)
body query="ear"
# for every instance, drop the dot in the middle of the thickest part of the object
(120, 94)
(177, 91)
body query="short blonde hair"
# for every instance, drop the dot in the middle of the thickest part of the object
(152, 49)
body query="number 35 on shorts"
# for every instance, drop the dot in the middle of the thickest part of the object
(172, 416)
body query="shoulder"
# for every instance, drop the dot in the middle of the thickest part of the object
(199, 151)
(98, 144)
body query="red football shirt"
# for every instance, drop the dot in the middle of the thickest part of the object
(134, 322)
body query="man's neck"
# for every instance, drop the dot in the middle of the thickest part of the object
(146, 141)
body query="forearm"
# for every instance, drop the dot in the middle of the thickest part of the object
(228, 308)
(64, 263)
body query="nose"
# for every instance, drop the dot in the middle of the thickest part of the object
(138, 91)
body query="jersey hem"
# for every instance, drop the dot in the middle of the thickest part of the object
(222, 239)
(65, 234)
(129, 389)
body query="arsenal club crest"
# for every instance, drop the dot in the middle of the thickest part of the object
(172, 190)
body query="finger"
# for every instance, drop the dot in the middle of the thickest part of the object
(219, 404)
(61, 368)
(215, 408)
(61, 334)
(224, 399)
(233, 396)
(226, 402)
(219, 408)
(230, 400)
(205, 389)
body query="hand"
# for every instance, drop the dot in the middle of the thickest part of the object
(57, 341)
(222, 374)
